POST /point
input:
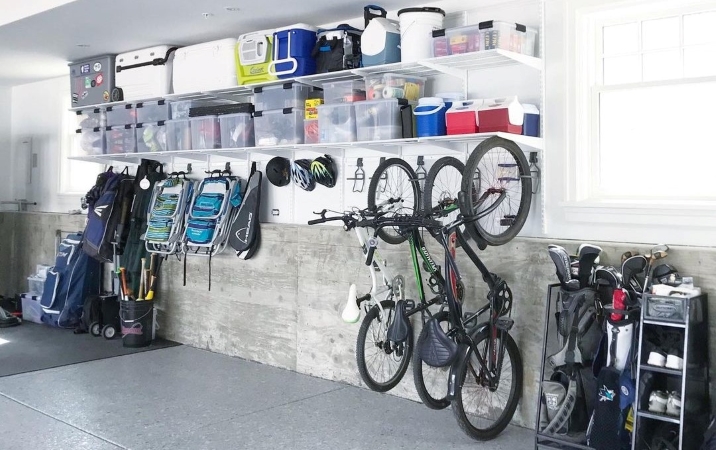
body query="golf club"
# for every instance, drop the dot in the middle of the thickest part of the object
(588, 255)
(561, 260)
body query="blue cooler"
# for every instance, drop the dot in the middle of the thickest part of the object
(530, 126)
(430, 116)
(292, 51)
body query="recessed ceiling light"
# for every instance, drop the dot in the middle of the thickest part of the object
(232, 9)
(207, 15)
(83, 45)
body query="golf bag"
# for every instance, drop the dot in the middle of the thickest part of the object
(109, 202)
(73, 277)
(134, 249)
(579, 332)
(245, 233)
(710, 437)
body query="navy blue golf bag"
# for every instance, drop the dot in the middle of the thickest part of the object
(73, 277)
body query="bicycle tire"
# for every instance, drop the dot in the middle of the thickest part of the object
(418, 366)
(412, 178)
(374, 385)
(449, 188)
(476, 229)
(485, 434)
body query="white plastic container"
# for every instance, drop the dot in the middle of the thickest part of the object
(121, 139)
(205, 132)
(121, 115)
(144, 81)
(36, 285)
(456, 41)
(31, 308)
(205, 67)
(344, 92)
(237, 130)
(394, 85)
(337, 123)
(279, 126)
(151, 137)
(508, 36)
(41, 270)
(287, 95)
(416, 32)
(178, 134)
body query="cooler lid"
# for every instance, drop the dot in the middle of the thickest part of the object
(424, 9)
(298, 26)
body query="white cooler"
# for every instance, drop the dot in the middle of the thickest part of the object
(145, 81)
(205, 67)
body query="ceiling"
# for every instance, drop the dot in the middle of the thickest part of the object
(40, 45)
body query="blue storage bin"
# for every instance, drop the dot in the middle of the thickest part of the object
(293, 47)
(531, 123)
(430, 116)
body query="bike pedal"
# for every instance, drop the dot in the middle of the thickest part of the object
(507, 221)
(504, 324)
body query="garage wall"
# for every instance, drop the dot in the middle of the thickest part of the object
(5, 139)
(283, 307)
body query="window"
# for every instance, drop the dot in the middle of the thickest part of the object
(76, 177)
(648, 93)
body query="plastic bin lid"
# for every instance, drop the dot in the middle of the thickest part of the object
(220, 110)
(430, 101)
(298, 26)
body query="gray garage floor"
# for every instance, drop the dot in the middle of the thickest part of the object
(184, 398)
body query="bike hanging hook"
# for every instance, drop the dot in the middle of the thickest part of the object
(535, 172)
(358, 176)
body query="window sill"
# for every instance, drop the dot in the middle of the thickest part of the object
(693, 214)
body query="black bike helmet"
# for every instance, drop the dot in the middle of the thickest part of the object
(324, 171)
(278, 171)
(301, 174)
(666, 274)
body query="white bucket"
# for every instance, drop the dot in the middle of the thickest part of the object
(416, 32)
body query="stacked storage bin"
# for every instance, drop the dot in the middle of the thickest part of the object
(91, 125)
(222, 126)
(337, 118)
(151, 129)
(279, 114)
(121, 129)
(388, 112)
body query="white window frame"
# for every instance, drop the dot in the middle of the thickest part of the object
(626, 220)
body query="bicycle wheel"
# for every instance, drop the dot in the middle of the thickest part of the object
(442, 185)
(498, 187)
(480, 411)
(431, 382)
(381, 363)
(395, 187)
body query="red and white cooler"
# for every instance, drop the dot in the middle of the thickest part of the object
(501, 114)
(462, 117)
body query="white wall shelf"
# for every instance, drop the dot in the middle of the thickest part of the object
(455, 65)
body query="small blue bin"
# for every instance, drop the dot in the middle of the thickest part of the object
(430, 116)
(293, 47)
(531, 123)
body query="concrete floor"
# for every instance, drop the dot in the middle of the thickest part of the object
(185, 398)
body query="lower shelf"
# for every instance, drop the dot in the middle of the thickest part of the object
(655, 416)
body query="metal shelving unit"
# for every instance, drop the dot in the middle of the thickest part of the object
(691, 382)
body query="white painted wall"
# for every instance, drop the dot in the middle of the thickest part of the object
(5, 140)
(37, 116)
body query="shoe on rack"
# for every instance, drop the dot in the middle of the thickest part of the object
(658, 401)
(656, 359)
(673, 404)
(674, 362)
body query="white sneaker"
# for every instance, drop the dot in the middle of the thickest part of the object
(657, 402)
(674, 362)
(656, 359)
(673, 404)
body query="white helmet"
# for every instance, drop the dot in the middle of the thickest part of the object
(301, 174)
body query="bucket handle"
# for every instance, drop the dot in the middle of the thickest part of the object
(429, 112)
(134, 320)
(293, 61)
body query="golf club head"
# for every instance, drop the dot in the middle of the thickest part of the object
(632, 267)
(573, 285)
(610, 275)
(588, 255)
(561, 260)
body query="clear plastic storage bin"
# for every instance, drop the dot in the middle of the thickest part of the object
(121, 115)
(91, 118)
(456, 41)
(121, 139)
(153, 111)
(91, 141)
(279, 126)
(178, 134)
(344, 92)
(31, 308)
(287, 95)
(151, 137)
(36, 285)
(508, 36)
(237, 130)
(205, 132)
(392, 85)
(379, 119)
(337, 123)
